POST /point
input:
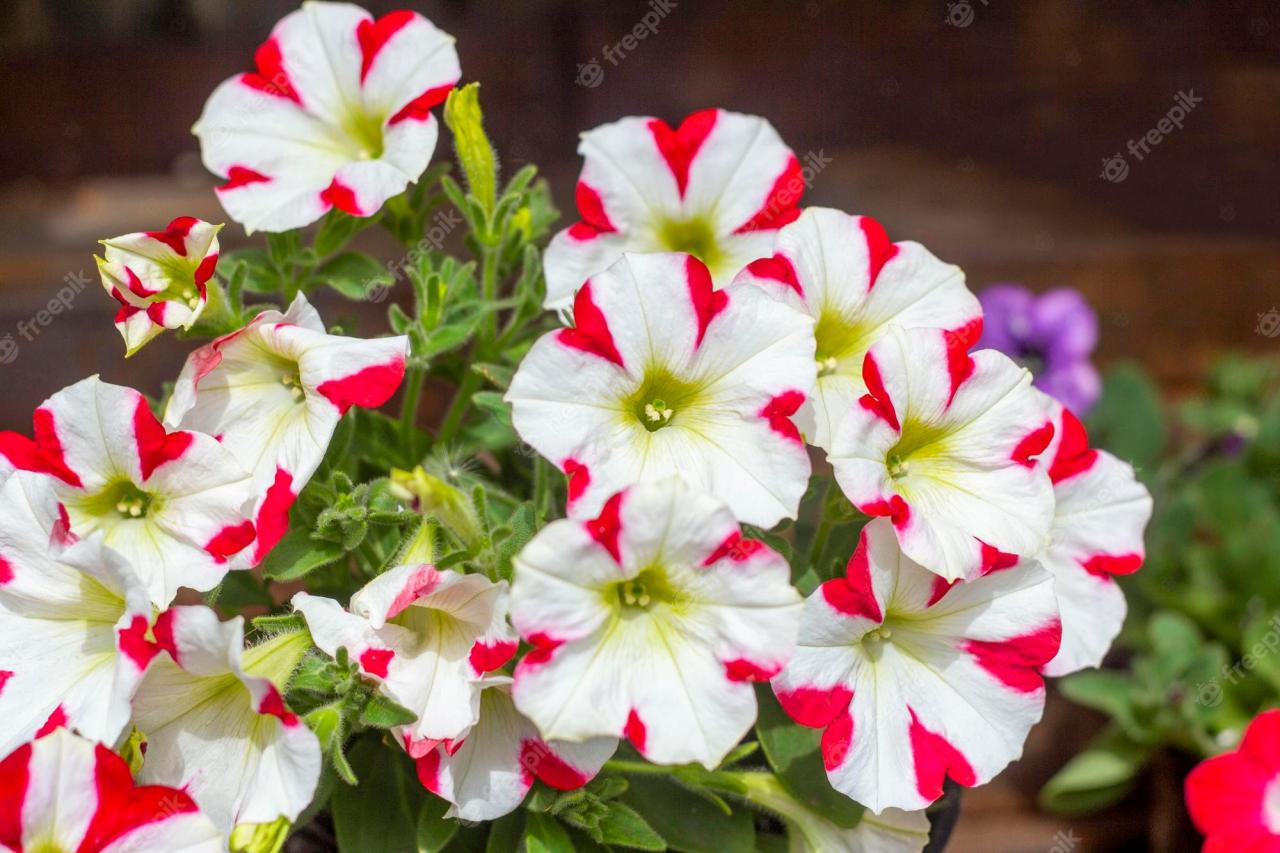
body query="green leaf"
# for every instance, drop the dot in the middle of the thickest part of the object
(505, 833)
(380, 815)
(336, 229)
(1101, 775)
(356, 276)
(475, 153)
(1128, 419)
(794, 753)
(1101, 690)
(544, 834)
(298, 555)
(435, 831)
(492, 402)
(382, 713)
(259, 274)
(687, 822)
(625, 827)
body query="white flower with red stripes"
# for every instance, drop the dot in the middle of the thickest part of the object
(650, 622)
(74, 619)
(273, 393)
(160, 278)
(944, 444)
(914, 679)
(1100, 512)
(427, 637)
(63, 792)
(337, 115)
(171, 503)
(719, 186)
(216, 725)
(487, 773)
(844, 272)
(662, 375)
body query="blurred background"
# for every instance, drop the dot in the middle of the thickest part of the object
(1026, 142)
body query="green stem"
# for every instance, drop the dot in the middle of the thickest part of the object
(409, 406)
(489, 290)
(458, 407)
(636, 768)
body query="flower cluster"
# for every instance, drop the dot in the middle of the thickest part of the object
(717, 342)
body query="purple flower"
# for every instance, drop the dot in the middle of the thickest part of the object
(1051, 334)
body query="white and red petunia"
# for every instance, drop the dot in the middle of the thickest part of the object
(216, 725)
(487, 773)
(64, 793)
(427, 637)
(650, 622)
(273, 393)
(664, 375)
(1100, 512)
(945, 443)
(160, 278)
(914, 679)
(1234, 798)
(338, 114)
(844, 272)
(171, 503)
(73, 623)
(719, 186)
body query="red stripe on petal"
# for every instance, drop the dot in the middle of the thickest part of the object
(5, 675)
(778, 413)
(1032, 445)
(1106, 565)
(15, 777)
(373, 35)
(854, 594)
(175, 234)
(968, 334)
(122, 808)
(428, 767)
(877, 400)
(136, 286)
(895, 509)
(56, 720)
(204, 272)
(52, 459)
(635, 731)
(421, 582)
(736, 548)
(941, 586)
(679, 147)
(591, 209)
(1073, 456)
(707, 301)
(741, 669)
(607, 527)
(341, 196)
(272, 78)
(419, 109)
(960, 364)
(880, 249)
(590, 332)
(272, 522)
(537, 759)
(376, 661)
(273, 704)
(544, 648)
(1016, 662)
(815, 707)
(242, 176)
(6, 575)
(368, 388)
(778, 268)
(579, 478)
(486, 657)
(836, 740)
(155, 446)
(156, 311)
(994, 560)
(133, 642)
(781, 205)
(935, 759)
(230, 540)
(163, 632)
(20, 451)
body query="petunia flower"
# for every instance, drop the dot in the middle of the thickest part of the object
(63, 792)
(663, 375)
(171, 503)
(944, 444)
(73, 623)
(159, 278)
(337, 114)
(273, 393)
(844, 272)
(717, 187)
(426, 637)
(915, 680)
(1100, 512)
(487, 773)
(216, 725)
(1052, 334)
(1234, 798)
(650, 622)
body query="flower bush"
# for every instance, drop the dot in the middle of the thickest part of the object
(603, 601)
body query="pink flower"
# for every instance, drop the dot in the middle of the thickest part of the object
(1234, 798)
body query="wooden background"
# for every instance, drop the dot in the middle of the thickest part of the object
(978, 127)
